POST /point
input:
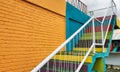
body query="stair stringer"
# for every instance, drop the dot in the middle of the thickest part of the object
(103, 55)
(94, 58)
(90, 66)
(110, 40)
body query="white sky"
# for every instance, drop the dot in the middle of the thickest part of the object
(98, 4)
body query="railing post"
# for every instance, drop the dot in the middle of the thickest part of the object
(91, 13)
(93, 28)
(102, 37)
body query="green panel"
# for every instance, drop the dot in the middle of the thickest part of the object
(99, 65)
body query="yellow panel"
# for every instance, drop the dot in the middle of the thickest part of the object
(118, 22)
(72, 58)
(86, 49)
(28, 34)
(58, 6)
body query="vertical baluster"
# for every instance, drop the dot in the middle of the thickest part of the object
(82, 43)
(73, 42)
(60, 62)
(78, 5)
(54, 64)
(88, 27)
(65, 62)
(73, 2)
(47, 66)
(70, 46)
(71, 54)
(86, 44)
(93, 35)
(79, 46)
(74, 65)
(84, 47)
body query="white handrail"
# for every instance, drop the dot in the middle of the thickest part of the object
(59, 48)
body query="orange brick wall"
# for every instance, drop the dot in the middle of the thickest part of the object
(58, 6)
(28, 34)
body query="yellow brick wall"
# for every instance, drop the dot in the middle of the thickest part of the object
(28, 34)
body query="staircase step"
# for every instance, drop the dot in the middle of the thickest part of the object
(98, 29)
(86, 49)
(46, 70)
(80, 53)
(50, 69)
(88, 43)
(66, 65)
(63, 66)
(54, 69)
(72, 58)
(98, 35)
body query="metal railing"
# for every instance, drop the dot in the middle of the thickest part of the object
(79, 5)
(75, 46)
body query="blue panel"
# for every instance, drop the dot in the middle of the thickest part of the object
(74, 20)
(74, 17)
(73, 26)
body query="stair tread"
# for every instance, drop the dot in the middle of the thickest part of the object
(88, 43)
(80, 53)
(72, 58)
(83, 49)
(68, 61)
(96, 33)
(64, 68)
(60, 69)
(57, 70)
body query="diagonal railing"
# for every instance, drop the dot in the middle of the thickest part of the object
(61, 58)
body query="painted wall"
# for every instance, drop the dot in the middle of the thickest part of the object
(74, 20)
(28, 33)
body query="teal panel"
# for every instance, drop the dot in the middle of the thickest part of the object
(74, 20)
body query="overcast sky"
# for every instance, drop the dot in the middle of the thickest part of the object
(97, 4)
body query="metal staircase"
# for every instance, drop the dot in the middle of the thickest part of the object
(80, 51)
